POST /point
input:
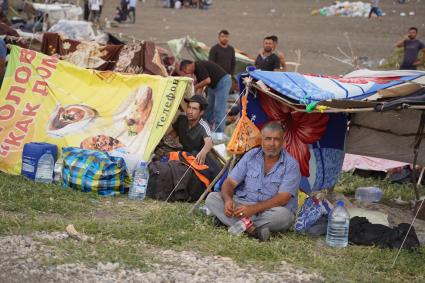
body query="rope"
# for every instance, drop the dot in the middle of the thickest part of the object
(417, 144)
(190, 165)
(408, 231)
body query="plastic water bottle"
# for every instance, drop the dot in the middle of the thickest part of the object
(57, 172)
(45, 166)
(205, 210)
(338, 225)
(368, 194)
(240, 226)
(140, 183)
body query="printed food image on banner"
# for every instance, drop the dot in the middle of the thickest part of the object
(43, 99)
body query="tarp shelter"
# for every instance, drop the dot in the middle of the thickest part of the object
(385, 111)
(200, 51)
(58, 11)
(136, 58)
(43, 99)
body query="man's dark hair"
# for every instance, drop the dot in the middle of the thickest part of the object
(273, 126)
(224, 31)
(185, 63)
(268, 38)
(414, 28)
(274, 38)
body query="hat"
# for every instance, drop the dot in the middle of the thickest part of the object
(199, 99)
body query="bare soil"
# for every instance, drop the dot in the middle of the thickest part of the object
(250, 20)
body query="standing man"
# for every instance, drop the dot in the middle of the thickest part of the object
(95, 6)
(193, 132)
(412, 46)
(263, 186)
(267, 60)
(223, 54)
(218, 83)
(132, 10)
(279, 54)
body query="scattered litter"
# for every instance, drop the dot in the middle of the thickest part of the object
(344, 9)
(74, 234)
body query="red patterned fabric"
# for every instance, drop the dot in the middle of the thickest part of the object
(302, 129)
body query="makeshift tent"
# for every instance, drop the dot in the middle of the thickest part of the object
(43, 99)
(387, 117)
(200, 51)
(58, 11)
(135, 58)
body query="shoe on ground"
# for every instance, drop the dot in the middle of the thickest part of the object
(217, 222)
(261, 234)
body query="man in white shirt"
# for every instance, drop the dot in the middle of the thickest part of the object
(132, 10)
(95, 8)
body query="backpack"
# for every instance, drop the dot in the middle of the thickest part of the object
(165, 176)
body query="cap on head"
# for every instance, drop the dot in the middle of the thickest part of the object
(199, 99)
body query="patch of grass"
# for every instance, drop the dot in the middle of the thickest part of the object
(18, 194)
(348, 184)
(120, 226)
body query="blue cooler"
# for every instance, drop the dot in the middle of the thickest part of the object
(32, 153)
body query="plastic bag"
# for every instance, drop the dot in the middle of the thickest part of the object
(91, 170)
(246, 134)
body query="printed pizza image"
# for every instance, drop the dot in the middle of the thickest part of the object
(70, 119)
(101, 142)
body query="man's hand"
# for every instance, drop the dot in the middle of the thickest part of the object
(200, 157)
(229, 208)
(245, 211)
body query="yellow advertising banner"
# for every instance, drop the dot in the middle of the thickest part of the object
(43, 99)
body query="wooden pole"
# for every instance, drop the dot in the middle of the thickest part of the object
(204, 194)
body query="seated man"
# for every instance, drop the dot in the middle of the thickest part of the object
(193, 132)
(263, 186)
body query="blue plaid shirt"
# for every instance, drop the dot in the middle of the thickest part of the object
(254, 186)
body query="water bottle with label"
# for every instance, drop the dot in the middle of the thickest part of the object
(140, 183)
(368, 194)
(240, 226)
(45, 166)
(338, 225)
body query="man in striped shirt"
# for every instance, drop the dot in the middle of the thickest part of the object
(193, 132)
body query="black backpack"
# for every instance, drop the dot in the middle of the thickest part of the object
(165, 176)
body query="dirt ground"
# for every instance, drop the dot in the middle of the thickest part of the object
(250, 20)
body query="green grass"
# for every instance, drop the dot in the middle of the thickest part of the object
(348, 184)
(125, 230)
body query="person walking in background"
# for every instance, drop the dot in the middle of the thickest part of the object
(223, 54)
(267, 60)
(374, 9)
(132, 10)
(412, 47)
(218, 83)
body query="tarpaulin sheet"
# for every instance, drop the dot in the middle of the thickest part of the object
(43, 99)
